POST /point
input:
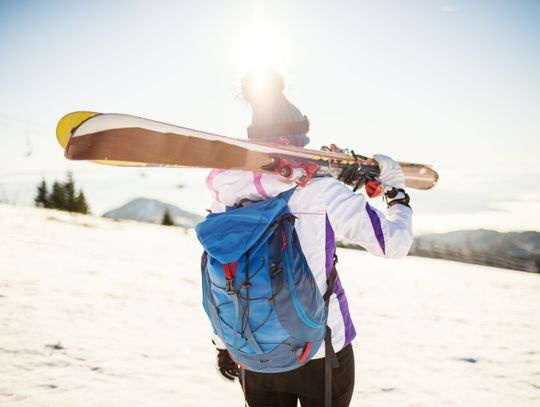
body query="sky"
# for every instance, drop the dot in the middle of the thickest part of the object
(454, 84)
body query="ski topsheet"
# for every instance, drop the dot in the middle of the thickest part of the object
(124, 140)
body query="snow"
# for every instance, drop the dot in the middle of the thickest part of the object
(95, 312)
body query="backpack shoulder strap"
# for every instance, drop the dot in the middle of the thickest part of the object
(331, 281)
(286, 195)
(330, 359)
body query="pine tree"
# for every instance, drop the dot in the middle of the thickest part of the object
(42, 196)
(57, 198)
(81, 205)
(63, 196)
(167, 219)
(69, 194)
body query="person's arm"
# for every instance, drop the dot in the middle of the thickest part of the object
(384, 234)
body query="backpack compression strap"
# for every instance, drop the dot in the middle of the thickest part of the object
(331, 281)
(330, 358)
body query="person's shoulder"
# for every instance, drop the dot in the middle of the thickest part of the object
(321, 183)
(319, 190)
(326, 190)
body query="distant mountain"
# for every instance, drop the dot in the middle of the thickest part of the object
(521, 244)
(519, 250)
(152, 210)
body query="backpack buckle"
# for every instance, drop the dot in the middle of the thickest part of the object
(275, 269)
(230, 271)
(230, 286)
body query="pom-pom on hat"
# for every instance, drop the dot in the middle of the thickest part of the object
(274, 119)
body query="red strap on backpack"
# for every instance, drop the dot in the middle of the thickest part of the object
(305, 353)
(230, 271)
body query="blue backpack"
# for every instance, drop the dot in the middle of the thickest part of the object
(258, 291)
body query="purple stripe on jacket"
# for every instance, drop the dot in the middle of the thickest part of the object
(350, 332)
(376, 223)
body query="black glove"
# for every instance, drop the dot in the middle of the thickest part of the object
(226, 366)
(351, 175)
(357, 175)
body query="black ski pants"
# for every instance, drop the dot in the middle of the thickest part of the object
(305, 384)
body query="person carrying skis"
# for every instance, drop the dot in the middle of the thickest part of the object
(324, 208)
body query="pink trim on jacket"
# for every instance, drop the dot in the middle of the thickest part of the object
(210, 183)
(258, 185)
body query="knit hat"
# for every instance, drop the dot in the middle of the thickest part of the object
(274, 119)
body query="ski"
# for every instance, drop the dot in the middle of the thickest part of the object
(125, 140)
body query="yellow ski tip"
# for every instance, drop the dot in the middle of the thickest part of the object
(68, 123)
(72, 120)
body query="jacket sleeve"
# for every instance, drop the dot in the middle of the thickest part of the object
(389, 235)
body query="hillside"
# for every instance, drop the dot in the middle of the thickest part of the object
(519, 244)
(152, 211)
(515, 250)
(96, 312)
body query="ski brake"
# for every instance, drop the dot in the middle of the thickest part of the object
(297, 171)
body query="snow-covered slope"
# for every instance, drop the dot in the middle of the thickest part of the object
(101, 313)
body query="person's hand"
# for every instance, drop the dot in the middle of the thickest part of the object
(392, 180)
(227, 367)
(350, 175)
(391, 175)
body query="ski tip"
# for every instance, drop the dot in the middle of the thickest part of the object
(419, 176)
(70, 121)
(433, 177)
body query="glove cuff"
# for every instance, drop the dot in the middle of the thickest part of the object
(218, 344)
(397, 196)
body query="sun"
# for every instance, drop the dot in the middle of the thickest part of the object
(260, 51)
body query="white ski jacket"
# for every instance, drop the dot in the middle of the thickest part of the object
(324, 208)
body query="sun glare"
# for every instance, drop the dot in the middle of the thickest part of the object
(260, 50)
